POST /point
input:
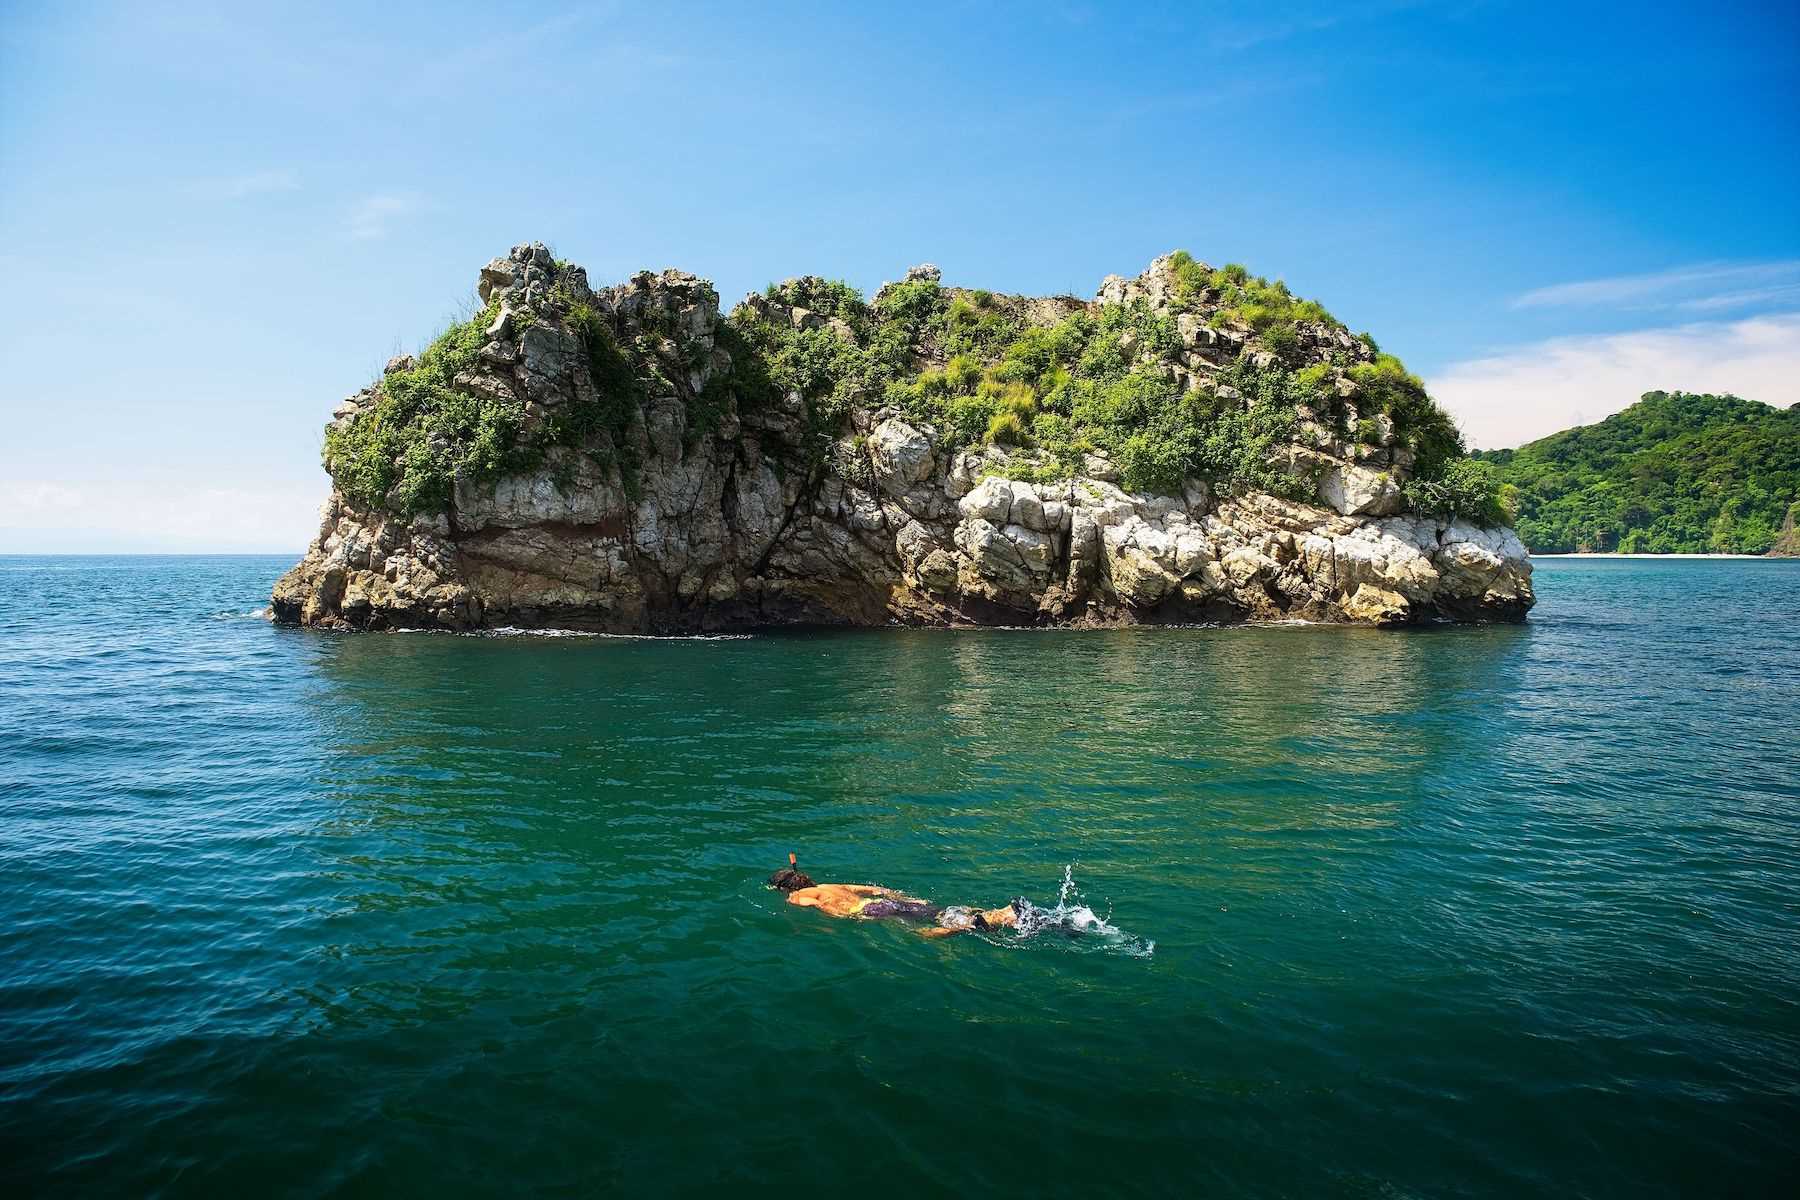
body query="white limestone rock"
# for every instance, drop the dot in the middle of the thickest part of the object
(901, 455)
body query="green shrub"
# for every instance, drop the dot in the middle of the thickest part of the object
(1015, 405)
(851, 463)
(973, 326)
(1284, 341)
(1006, 428)
(619, 393)
(405, 453)
(962, 373)
(907, 313)
(1385, 386)
(1465, 488)
(424, 433)
(827, 297)
(1157, 459)
(1191, 279)
(966, 419)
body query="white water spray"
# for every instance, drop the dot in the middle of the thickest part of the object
(1079, 924)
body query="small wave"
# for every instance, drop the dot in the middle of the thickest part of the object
(255, 614)
(520, 631)
(1078, 925)
(504, 631)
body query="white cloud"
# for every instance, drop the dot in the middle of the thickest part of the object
(1701, 287)
(372, 215)
(1526, 393)
(151, 515)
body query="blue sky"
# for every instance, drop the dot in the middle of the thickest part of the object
(218, 222)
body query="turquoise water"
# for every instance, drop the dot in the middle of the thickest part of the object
(1469, 911)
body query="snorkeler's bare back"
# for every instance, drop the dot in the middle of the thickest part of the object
(841, 899)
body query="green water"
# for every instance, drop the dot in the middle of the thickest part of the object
(1488, 911)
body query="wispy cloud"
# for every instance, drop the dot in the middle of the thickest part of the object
(256, 183)
(1702, 287)
(372, 216)
(1522, 394)
(1779, 294)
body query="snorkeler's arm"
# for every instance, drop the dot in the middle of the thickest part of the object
(937, 931)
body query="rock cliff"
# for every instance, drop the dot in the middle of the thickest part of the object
(625, 459)
(1787, 542)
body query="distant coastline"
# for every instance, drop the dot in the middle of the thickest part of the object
(1676, 473)
(1616, 554)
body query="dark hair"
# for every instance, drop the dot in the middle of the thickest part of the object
(789, 879)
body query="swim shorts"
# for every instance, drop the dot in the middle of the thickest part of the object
(909, 910)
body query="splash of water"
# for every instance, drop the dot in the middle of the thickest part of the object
(1078, 924)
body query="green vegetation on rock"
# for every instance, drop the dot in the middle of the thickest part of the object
(1465, 487)
(405, 451)
(1245, 299)
(987, 369)
(1676, 473)
(423, 430)
(1185, 373)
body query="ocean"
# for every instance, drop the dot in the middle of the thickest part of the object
(1458, 911)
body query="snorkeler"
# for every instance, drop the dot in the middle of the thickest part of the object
(868, 902)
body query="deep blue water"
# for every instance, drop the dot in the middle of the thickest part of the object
(1485, 911)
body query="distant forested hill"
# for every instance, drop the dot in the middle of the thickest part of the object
(1675, 473)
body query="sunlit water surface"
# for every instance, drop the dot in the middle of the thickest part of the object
(1466, 911)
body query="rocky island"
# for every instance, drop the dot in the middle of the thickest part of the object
(1192, 445)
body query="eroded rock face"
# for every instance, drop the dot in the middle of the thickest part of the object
(720, 528)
